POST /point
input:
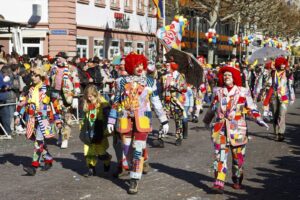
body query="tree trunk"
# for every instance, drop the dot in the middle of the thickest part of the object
(210, 56)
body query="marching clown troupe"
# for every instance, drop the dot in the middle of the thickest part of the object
(231, 92)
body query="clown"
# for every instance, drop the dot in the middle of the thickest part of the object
(65, 88)
(281, 94)
(36, 108)
(230, 104)
(174, 87)
(131, 114)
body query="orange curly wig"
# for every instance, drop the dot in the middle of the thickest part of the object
(132, 60)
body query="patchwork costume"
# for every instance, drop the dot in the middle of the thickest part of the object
(280, 95)
(35, 106)
(174, 88)
(131, 114)
(65, 87)
(229, 133)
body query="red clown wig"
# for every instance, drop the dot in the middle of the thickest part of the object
(132, 60)
(281, 61)
(236, 75)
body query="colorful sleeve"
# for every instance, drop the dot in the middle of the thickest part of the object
(76, 81)
(113, 114)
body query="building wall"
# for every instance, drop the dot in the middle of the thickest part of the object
(62, 26)
(62, 23)
(104, 17)
(22, 10)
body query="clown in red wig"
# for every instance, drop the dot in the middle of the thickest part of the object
(283, 92)
(131, 115)
(174, 89)
(229, 132)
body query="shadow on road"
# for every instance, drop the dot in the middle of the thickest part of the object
(193, 178)
(15, 159)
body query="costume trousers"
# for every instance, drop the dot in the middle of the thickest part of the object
(220, 162)
(134, 152)
(40, 153)
(279, 111)
(40, 149)
(96, 151)
(177, 113)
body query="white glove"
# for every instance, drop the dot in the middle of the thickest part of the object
(6, 79)
(262, 123)
(291, 102)
(110, 128)
(165, 128)
(75, 103)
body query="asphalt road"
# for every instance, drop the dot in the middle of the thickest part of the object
(185, 172)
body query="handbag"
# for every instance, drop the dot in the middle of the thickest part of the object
(87, 133)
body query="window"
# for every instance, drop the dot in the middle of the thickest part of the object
(100, 3)
(82, 47)
(128, 47)
(99, 48)
(140, 48)
(126, 3)
(151, 9)
(83, 1)
(32, 47)
(114, 49)
(114, 3)
(140, 7)
(152, 51)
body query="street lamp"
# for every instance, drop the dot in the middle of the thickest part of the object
(197, 26)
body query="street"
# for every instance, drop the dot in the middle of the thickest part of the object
(185, 172)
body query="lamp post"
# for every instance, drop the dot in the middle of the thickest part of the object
(197, 26)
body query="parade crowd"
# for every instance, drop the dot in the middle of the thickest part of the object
(39, 97)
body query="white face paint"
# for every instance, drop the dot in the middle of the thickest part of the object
(228, 80)
(282, 67)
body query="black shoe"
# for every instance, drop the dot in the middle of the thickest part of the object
(195, 119)
(159, 143)
(31, 171)
(91, 172)
(106, 167)
(279, 137)
(133, 187)
(46, 167)
(201, 111)
(178, 142)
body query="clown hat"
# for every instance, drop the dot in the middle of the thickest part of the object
(236, 75)
(132, 60)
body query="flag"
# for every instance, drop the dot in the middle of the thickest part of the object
(160, 8)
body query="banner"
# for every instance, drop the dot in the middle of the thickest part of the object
(171, 34)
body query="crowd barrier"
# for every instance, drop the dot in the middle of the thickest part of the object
(75, 118)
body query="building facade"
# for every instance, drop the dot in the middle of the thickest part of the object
(87, 28)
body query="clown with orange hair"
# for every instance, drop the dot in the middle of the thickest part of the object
(280, 95)
(174, 88)
(131, 115)
(230, 104)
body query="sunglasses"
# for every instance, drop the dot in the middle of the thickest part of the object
(35, 75)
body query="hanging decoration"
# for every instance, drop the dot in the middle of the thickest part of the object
(247, 40)
(211, 36)
(234, 40)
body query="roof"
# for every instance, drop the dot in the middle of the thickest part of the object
(6, 24)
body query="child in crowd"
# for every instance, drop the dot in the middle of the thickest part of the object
(93, 130)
